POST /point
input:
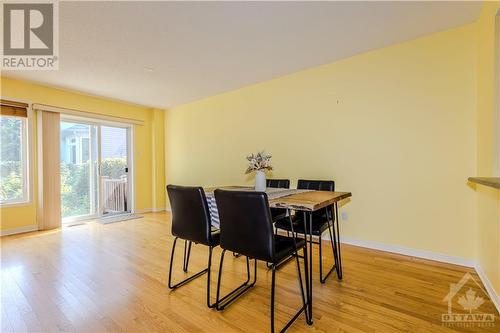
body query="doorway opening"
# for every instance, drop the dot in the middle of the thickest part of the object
(96, 161)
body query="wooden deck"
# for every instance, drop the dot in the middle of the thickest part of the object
(100, 278)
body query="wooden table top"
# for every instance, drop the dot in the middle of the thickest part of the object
(305, 201)
(309, 201)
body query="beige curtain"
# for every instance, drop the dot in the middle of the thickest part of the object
(49, 177)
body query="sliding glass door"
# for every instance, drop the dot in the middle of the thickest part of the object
(95, 161)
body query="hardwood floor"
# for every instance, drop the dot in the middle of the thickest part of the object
(99, 278)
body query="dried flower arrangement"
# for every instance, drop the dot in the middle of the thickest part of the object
(260, 161)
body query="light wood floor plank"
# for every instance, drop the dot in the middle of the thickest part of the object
(112, 278)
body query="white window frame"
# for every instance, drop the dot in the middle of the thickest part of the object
(27, 151)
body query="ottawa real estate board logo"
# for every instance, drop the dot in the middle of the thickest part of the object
(30, 35)
(467, 295)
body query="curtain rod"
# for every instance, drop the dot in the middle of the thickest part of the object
(50, 108)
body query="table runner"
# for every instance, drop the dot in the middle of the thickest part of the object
(272, 193)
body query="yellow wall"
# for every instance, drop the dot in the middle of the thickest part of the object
(396, 126)
(488, 199)
(146, 137)
(158, 165)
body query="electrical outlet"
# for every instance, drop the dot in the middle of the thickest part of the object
(344, 216)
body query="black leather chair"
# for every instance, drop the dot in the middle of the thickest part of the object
(246, 227)
(191, 222)
(278, 213)
(278, 183)
(322, 220)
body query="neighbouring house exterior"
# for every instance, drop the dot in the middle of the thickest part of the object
(76, 143)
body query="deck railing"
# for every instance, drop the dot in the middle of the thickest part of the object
(114, 194)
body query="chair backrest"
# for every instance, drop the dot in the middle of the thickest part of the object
(278, 183)
(190, 214)
(245, 223)
(318, 185)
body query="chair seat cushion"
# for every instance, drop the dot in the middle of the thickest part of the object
(319, 224)
(284, 247)
(278, 213)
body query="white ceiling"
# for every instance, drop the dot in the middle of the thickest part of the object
(200, 49)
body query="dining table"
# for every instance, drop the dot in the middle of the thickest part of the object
(300, 201)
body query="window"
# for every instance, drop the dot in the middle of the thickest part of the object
(13, 155)
(85, 150)
(72, 153)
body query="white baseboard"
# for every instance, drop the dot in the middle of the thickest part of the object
(489, 286)
(410, 252)
(20, 230)
(150, 210)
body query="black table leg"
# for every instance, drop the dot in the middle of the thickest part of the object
(309, 278)
(336, 235)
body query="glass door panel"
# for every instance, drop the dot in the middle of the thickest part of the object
(78, 150)
(114, 185)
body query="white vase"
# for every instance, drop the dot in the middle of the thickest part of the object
(260, 181)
